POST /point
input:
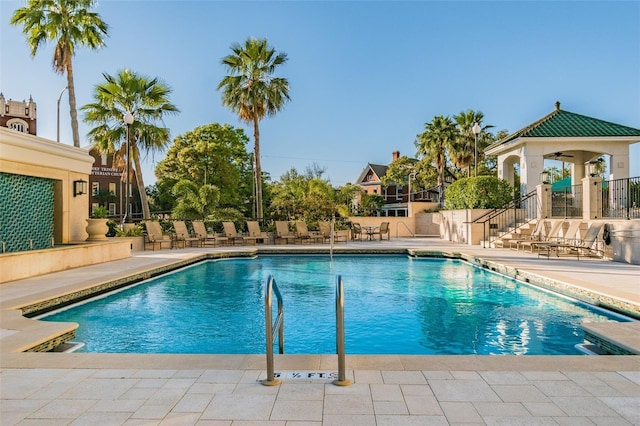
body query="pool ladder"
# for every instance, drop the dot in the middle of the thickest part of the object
(277, 330)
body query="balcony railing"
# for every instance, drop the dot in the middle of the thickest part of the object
(621, 198)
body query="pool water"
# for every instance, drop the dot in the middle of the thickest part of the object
(393, 305)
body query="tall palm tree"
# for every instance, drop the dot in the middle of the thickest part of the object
(434, 143)
(463, 149)
(69, 23)
(253, 92)
(147, 99)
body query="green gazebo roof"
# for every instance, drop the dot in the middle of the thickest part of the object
(565, 124)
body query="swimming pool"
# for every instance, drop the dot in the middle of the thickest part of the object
(393, 305)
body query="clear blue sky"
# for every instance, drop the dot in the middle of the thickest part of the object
(364, 76)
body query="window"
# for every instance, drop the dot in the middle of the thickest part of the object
(17, 125)
(104, 159)
(95, 188)
(112, 209)
(112, 188)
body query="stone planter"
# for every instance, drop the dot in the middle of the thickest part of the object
(97, 229)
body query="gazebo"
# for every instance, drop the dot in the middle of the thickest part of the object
(564, 136)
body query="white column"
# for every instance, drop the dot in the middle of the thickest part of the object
(591, 198)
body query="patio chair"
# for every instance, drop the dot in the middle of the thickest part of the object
(253, 229)
(304, 235)
(540, 230)
(233, 235)
(555, 243)
(154, 236)
(589, 244)
(533, 245)
(283, 233)
(182, 236)
(356, 231)
(384, 230)
(325, 231)
(207, 237)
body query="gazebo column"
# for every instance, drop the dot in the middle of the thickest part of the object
(530, 169)
(619, 166)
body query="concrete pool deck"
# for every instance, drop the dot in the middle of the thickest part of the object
(83, 388)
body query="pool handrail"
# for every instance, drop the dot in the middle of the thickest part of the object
(271, 330)
(342, 379)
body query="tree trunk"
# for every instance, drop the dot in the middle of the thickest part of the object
(146, 213)
(258, 170)
(72, 106)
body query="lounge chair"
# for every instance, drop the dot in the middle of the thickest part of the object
(233, 235)
(154, 236)
(589, 244)
(554, 243)
(325, 231)
(253, 229)
(551, 236)
(303, 234)
(540, 230)
(283, 233)
(207, 237)
(182, 235)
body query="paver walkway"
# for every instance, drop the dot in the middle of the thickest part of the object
(136, 389)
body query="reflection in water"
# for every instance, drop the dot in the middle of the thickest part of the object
(393, 305)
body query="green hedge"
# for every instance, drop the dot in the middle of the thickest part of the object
(482, 192)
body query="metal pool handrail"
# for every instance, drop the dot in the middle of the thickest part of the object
(277, 327)
(342, 380)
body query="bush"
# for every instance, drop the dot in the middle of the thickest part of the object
(482, 192)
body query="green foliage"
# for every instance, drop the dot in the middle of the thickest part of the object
(193, 201)
(371, 204)
(482, 192)
(100, 212)
(302, 197)
(214, 154)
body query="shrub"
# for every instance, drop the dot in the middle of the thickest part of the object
(482, 192)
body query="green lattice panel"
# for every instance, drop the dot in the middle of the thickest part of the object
(26, 212)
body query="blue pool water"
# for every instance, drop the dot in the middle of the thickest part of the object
(393, 305)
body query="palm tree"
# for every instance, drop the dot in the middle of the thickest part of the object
(463, 149)
(437, 138)
(148, 101)
(253, 92)
(69, 23)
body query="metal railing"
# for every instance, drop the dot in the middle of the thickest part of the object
(621, 198)
(342, 379)
(406, 227)
(567, 202)
(501, 221)
(273, 331)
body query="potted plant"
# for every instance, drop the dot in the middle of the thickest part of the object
(97, 224)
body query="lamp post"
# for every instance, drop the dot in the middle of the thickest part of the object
(412, 176)
(128, 120)
(60, 97)
(476, 131)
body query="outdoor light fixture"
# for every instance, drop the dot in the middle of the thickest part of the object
(476, 131)
(79, 187)
(544, 177)
(128, 121)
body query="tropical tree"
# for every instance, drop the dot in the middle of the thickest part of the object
(147, 100)
(213, 154)
(195, 201)
(463, 149)
(68, 23)
(438, 136)
(253, 92)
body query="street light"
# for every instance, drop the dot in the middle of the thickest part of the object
(476, 131)
(412, 176)
(60, 97)
(128, 120)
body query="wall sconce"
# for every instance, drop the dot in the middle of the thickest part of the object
(544, 177)
(79, 187)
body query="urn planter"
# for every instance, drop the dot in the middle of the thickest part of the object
(97, 229)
